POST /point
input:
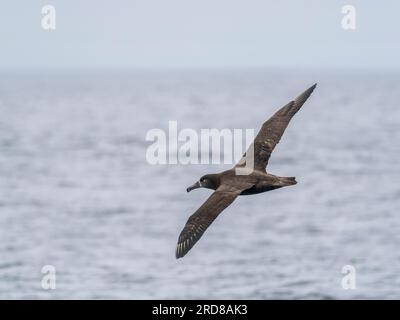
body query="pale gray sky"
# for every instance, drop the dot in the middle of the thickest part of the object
(199, 33)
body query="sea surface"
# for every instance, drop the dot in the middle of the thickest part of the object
(78, 194)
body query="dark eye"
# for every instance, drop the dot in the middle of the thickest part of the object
(202, 180)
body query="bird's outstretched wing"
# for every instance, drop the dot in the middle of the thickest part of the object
(272, 131)
(204, 216)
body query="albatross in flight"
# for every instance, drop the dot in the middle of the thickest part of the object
(229, 184)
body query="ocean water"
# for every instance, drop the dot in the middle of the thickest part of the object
(77, 193)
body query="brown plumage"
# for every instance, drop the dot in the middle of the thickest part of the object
(240, 180)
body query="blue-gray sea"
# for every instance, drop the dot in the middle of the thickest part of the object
(77, 193)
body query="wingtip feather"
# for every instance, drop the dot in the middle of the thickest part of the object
(310, 89)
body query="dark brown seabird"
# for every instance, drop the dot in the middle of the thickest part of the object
(228, 184)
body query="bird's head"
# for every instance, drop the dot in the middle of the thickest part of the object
(209, 181)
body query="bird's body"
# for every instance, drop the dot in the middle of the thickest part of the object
(266, 182)
(259, 181)
(247, 177)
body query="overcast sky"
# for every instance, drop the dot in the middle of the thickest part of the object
(199, 33)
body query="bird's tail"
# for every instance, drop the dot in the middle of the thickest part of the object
(287, 181)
